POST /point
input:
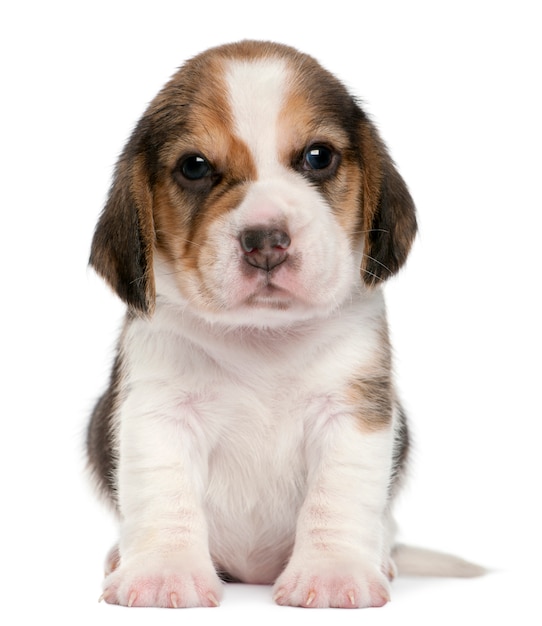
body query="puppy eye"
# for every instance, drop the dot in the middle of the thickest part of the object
(194, 167)
(318, 158)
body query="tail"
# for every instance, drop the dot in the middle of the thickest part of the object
(412, 561)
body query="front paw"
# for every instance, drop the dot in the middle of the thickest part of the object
(338, 584)
(163, 582)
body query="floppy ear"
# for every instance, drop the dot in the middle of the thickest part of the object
(389, 215)
(122, 248)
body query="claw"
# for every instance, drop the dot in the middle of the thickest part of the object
(174, 600)
(278, 596)
(212, 599)
(105, 597)
(380, 598)
(132, 598)
(352, 598)
(310, 598)
(391, 570)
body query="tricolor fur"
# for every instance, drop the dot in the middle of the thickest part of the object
(251, 430)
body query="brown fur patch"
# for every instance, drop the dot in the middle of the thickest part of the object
(372, 396)
(182, 215)
(389, 216)
(101, 441)
(371, 390)
(123, 243)
(318, 110)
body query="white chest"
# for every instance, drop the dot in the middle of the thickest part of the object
(256, 485)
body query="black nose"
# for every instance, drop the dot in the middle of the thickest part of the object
(265, 249)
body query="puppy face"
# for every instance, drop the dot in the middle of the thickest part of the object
(255, 191)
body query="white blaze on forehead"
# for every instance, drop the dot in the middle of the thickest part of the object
(257, 91)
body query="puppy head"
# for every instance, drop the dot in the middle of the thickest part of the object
(253, 190)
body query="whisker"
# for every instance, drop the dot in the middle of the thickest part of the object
(371, 230)
(377, 262)
(371, 274)
(171, 273)
(194, 243)
(165, 263)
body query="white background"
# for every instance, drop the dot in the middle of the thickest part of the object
(455, 90)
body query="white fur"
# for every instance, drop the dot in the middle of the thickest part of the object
(238, 423)
(263, 82)
(237, 446)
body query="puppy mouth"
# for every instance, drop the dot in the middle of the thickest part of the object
(270, 295)
(270, 274)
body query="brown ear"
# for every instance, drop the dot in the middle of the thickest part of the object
(389, 215)
(122, 247)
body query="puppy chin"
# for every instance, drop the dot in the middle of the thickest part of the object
(249, 304)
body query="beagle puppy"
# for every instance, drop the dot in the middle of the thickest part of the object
(251, 430)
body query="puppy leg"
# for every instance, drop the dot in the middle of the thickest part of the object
(338, 557)
(163, 550)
